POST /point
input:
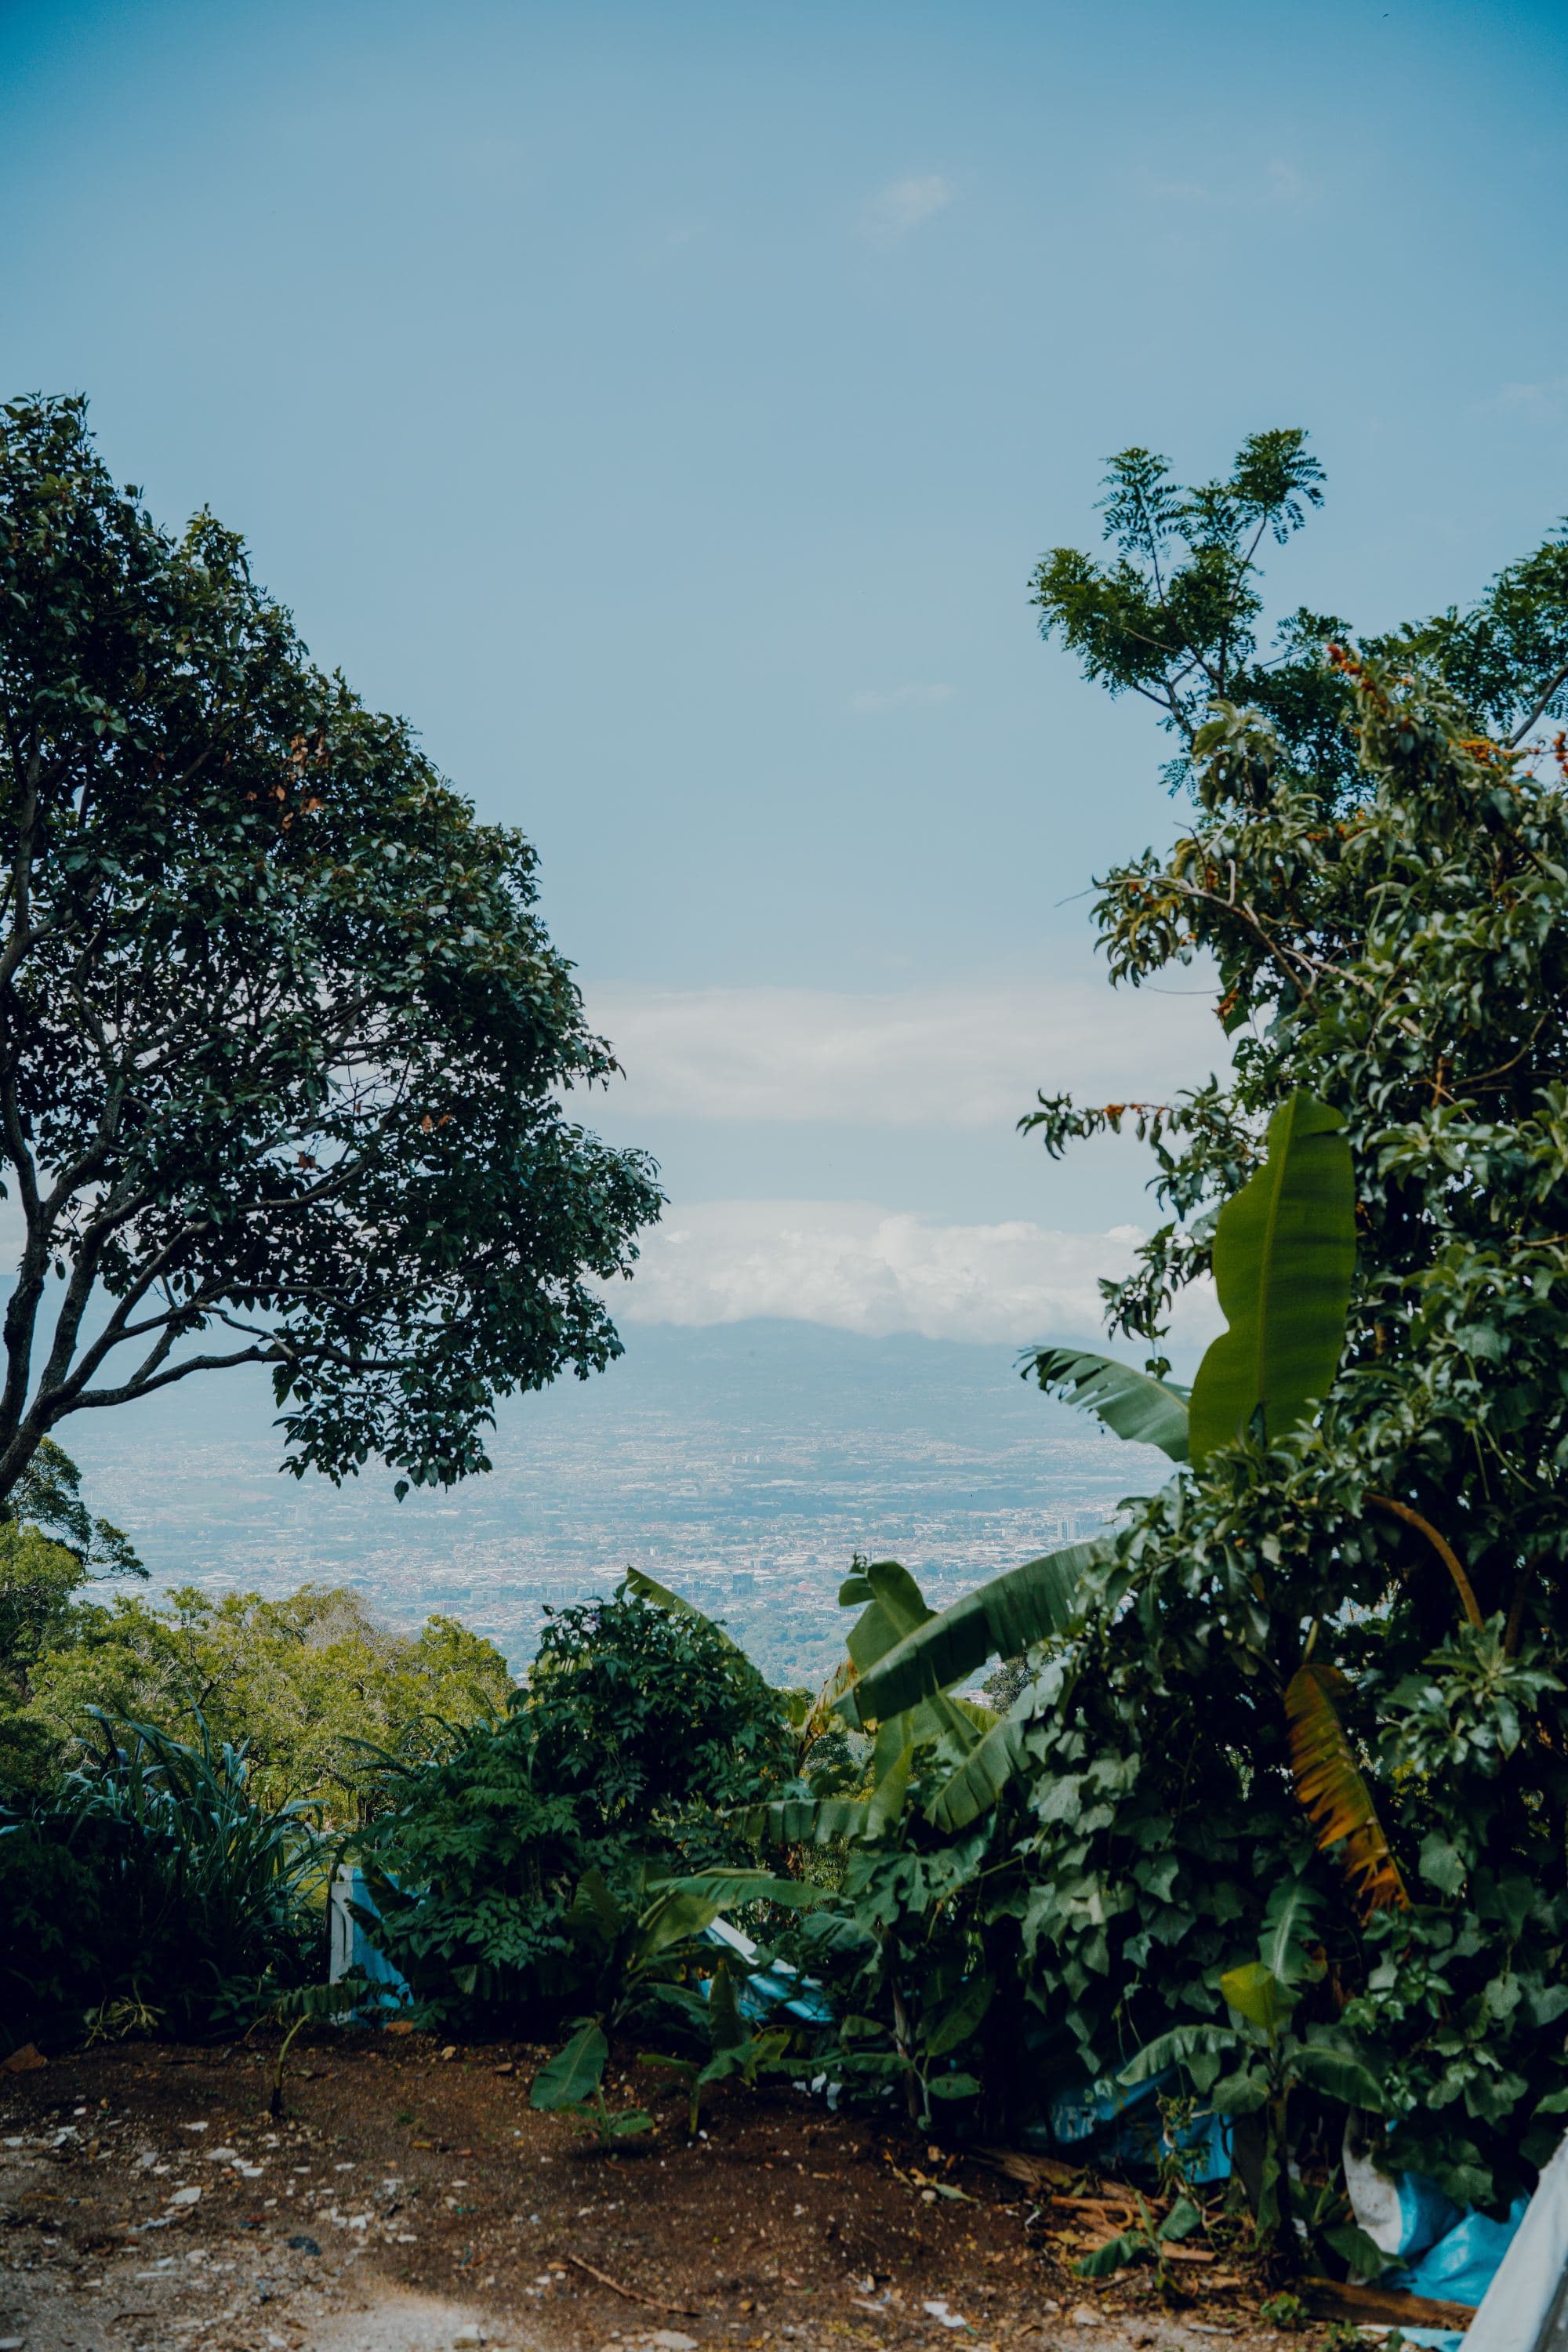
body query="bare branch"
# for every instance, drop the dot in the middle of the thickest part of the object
(1540, 711)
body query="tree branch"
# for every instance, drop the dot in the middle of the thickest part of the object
(1540, 711)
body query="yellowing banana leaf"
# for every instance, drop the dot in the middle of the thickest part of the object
(1330, 1786)
(1252, 1991)
(1284, 1255)
(1134, 1403)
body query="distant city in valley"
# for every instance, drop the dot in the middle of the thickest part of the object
(744, 1466)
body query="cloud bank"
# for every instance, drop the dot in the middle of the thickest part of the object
(858, 1267)
(968, 1057)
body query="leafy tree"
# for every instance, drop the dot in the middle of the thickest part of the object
(640, 1729)
(1323, 1670)
(282, 1040)
(51, 1547)
(1174, 614)
(309, 1685)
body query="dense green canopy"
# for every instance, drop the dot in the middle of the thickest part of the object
(282, 1041)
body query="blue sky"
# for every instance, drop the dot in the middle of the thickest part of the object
(663, 406)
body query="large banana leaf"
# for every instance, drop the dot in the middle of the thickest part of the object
(574, 2073)
(1330, 1786)
(659, 1596)
(1001, 1619)
(894, 1606)
(1134, 1403)
(980, 1780)
(1284, 1255)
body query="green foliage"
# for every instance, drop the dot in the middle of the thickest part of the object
(574, 2082)
(153, 1877)
(510, 1873)
(1385, 911)
(727, 2048)
(1037, 1602)
(311, 1684)
(51, 1549)
(1325, 1662)
(285, 1040)
(1284, 1252)
(1134, 1404)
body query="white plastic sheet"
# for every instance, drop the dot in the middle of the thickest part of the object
(1513, 2313)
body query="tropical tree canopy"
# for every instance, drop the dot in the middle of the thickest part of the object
(1323, 1672)
(282, 1039)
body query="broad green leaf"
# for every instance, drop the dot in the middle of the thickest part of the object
(808, 1821)
(574, 2074)
(1288, 1920)
(890, 1794)
(1284, 1255)
(1340, 2074)
(1134, 1403)
(659, 1596)
(1174, 2048)
(1362, 2259)
(1001, 1619)
(952, 2086)
(1252, 1991)
(1114, 2255)
(593, 1910)
(896, 1607)
(980, 1780)
(726, 2026)
(1182, 2219)
(1241, 2092)
(960, 2017)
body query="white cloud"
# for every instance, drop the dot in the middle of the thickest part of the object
(858, 1267)
(1543, 402)
(903, 205)
(899, 698)
(963, 1057)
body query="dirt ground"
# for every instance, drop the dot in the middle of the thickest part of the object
(410, 2199)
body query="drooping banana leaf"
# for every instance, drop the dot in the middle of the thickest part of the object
(828, 1821)
(1330, 1786)
(980, 1780)
(1001, 1619)
(893, 1606)
(1134, 1403)
(1284, 1255)
(659, 1596)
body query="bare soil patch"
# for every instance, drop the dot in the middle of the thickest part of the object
(148, 2200)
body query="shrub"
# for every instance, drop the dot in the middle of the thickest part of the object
(641, 1729)
(154, 1879)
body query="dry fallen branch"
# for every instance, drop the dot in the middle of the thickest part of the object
(632, 2294)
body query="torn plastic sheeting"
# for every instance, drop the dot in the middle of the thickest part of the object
(1403, 2212)
(1463, 2264)
(779, 1986)
(350, 1948)
(1525, 2308)
(1106, 2118)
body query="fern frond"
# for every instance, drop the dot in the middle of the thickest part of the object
(1330, 1786)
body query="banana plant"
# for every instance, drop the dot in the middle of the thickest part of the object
(727, 2046)
(1254, 2063)
(572, 2083)
(643, 1951)
(1284, 1255)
